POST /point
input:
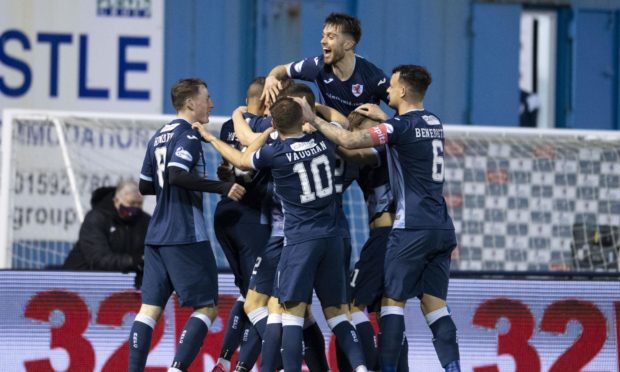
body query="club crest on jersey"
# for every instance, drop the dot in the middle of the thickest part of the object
(183, 154)
(357, 89)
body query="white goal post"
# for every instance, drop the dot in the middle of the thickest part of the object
(521, 199)
(47, 178)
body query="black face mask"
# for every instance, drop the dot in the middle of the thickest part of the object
(129, 214)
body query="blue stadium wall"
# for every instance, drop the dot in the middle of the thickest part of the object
(471, 48)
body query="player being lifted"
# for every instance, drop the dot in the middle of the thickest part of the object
(242, 229)
(417, 262)
(345, 81)
(301, 166)
(177, 255)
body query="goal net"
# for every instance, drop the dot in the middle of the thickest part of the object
(521, 200)
(531, 200)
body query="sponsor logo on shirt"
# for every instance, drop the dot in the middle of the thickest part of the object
(192, 137)
(183, 154)
(301, 146)
(382, 81)
(431, 119)
(357, 89)
(316, 61)
(328, 80)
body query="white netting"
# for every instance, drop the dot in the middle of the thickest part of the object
(534, 200)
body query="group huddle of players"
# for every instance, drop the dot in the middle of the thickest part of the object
(287, 161)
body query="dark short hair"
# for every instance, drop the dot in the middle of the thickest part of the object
(287, 115)
(255, 88)
(346, 24)
(286, 83)
(184, 89)
(300, 91)
(417, 78)
(357, 118)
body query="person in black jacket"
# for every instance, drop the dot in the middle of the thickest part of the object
(112, 234)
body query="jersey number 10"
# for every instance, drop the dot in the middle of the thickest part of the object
(320, 190)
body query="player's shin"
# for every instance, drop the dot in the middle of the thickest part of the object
(347, 339)
(234, 332)
(191, 340)
(367, 338)
(292, 342)
(270, 353)
(444, 338)
(250, 348)
(314, 343)
(392, 329)
(140, 342)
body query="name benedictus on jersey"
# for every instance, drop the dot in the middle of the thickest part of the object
(305, 149)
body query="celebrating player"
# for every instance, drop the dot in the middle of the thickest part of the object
(301, 166)
(178, 256)
(242, 229)
(417, 261)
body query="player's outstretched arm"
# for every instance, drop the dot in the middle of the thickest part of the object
(273, 84)
(242, 130)
(342, 137)
(238, 159)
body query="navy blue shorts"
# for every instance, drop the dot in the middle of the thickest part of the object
(241, 241)
(264, 273)
(367, 277)
(317, 264)
(417, 262)
(187, 269)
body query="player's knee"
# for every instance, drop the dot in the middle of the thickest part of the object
(386, 301)
(333, 311)
(152, 311)
(210, 311)
(295, 308)
(430, 303)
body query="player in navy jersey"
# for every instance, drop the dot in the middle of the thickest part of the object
(344, 79)
(301, 165)
(177, 255)
(242, 229)
(263, 275)
(417, 262)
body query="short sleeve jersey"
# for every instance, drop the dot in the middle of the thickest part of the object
(415, 157)
(178, 217)
(302, 170)
(367, 84)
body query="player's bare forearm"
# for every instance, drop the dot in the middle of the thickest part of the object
(272, 83)
(246, 160)
(231, 154)
(342, 137)
(242, 130)
(365, 156)
(330, 114)
(279, 72)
